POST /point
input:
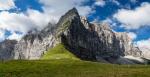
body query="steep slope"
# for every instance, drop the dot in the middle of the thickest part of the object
(58, 52)
(34, 45)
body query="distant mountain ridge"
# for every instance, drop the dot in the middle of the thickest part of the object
(88, 41)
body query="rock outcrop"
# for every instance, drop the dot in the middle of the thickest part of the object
(7, 49)
(34, 45)
(88, 41)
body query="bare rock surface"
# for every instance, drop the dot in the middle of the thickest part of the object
(7, 49)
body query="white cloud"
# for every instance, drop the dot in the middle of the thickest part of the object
(100, 3)
(132, 35)
(56, 8)
(15, 36)
(40, 20)
(22, 22)
(116, 2)
(2, 35)
(7, 4)
(85, 10)
(134, 19)
(15, 22)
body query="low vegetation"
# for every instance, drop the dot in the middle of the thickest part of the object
(59, 62)
(59, 52)
(70, 68)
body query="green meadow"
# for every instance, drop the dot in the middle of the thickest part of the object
(58, 62)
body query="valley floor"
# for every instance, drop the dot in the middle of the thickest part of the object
(70, 68)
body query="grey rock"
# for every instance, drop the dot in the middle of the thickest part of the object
(7, 49)
(34, 45)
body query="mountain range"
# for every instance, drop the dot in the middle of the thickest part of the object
(86, 40)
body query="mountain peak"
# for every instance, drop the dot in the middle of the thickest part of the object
(70, 15)
(73, 11)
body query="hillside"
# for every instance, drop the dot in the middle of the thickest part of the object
(74, 38)
(59, 62)
(59, 52)
(70, 68)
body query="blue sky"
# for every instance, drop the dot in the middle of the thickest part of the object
(17, 17)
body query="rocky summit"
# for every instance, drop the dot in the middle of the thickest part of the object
(88, 41)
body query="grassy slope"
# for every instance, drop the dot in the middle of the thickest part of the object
(59, 52)
(69, 68)
(58, 62)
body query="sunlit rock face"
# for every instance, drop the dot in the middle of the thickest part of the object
(88, 41)
(34, 45)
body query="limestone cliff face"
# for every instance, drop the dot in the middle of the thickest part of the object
(34, 45)
(7, 49)
(88, 41)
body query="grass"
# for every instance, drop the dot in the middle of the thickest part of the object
(70, 68)
(59, 52)
(59, 62)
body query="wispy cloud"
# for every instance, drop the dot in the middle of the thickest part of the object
(100, 3)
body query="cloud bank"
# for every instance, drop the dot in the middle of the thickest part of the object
(134, 19)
